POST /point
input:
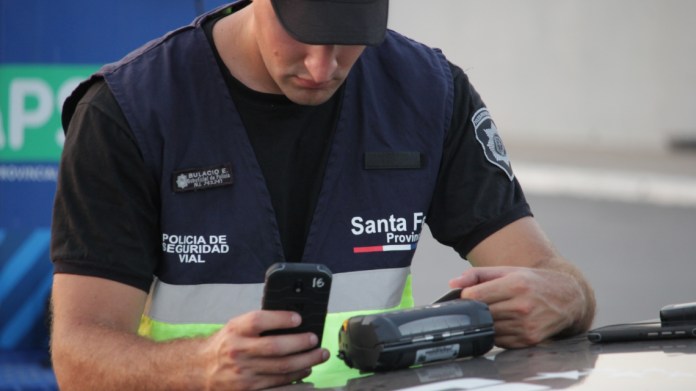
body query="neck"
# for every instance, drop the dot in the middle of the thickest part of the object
(234, 40)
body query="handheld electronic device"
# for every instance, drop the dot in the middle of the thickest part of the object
(641, 331)
(399, 339)
(453, 294)
(300, 287)
(676, 321)
(685, 312)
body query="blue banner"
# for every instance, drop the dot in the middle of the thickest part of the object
(46, 48)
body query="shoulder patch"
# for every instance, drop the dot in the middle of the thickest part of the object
(487, 135)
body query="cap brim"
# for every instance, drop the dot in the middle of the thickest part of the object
(334, 22)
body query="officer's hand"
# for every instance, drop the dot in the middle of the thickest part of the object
(239, 358)
(528, 305)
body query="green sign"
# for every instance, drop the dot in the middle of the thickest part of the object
(31, 100)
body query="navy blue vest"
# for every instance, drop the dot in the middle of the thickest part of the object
(217, 221)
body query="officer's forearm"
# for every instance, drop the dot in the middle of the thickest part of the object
(95, 357)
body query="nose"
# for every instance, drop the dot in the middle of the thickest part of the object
(321, 62)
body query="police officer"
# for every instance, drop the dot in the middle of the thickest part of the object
(279, 130)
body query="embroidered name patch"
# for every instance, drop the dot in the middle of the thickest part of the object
(194, 179)
(487, 135)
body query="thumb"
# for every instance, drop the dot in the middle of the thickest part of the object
(477, 275)
(485, 284)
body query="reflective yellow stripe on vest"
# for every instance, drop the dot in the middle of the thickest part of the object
(366, 292)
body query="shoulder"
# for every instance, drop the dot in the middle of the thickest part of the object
(98, 94)
(396, 44)
(97, 98)
(407, 62)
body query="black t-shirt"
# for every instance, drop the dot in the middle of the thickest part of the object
(291, 143)
(106, 214)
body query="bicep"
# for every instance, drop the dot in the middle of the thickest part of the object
(106, 209)
(80, 300)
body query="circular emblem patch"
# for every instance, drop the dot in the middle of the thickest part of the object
(182, 181)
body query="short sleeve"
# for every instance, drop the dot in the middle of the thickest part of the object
(476, 192)
(106, 213)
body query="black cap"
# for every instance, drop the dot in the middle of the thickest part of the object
(334, 22)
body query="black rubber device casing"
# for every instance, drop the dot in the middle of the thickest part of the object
(399, 339)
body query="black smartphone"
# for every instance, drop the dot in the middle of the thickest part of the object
(301, 287)
(679, 313)
(652, 330)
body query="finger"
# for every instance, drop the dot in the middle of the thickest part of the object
(524, 326)
(254, 323)
(286, 344)
(513, 334)
(478, 275)
(516, 308)
(490, 292)
(290, 364)
(269, 381)
(468, 278)
(510, 342)
(507, 327)
(504, 310)
(270, 372)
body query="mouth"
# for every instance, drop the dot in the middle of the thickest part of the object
(311, 84)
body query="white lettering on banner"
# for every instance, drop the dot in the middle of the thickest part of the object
(191, 248)
(394, 238)
(33, 173)
(418, 220)
(20, 119)
(2, 132)
(198, 179)
(22, 116)
(377, 226)
(395, 229)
